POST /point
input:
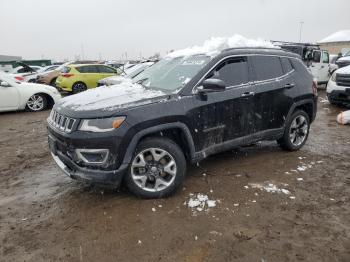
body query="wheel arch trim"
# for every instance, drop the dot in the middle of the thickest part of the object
(138, 136)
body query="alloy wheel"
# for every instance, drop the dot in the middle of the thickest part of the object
(36, 103)
(298, 130)
(153, 169)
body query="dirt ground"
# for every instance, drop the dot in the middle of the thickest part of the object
(45, 216)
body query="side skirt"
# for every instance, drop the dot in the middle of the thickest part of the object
(272, 134)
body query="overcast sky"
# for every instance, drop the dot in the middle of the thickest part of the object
(107, 28)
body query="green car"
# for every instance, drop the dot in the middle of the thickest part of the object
(78, 78)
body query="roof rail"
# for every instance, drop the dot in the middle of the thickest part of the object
(294, 43)
(245, 48)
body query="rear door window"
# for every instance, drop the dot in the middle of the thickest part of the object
(87, 69)
(325, 57)
(267, 67)
(233, 72)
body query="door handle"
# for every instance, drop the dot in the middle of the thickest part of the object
(247, 94)
(289, 86)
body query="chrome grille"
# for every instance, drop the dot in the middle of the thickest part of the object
(61, 122)
(343, 79)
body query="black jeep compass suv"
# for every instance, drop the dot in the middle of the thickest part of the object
(180, 111)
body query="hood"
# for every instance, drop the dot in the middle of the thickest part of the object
(113, 80)
(107, 100)
(344, 58)
(25, 66)
(344, 70)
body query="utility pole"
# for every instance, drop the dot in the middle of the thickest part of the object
(300, 30)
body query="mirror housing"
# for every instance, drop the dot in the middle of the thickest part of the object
(4, 84)
(212, 85)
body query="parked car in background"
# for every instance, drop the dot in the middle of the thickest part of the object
(182, 109)
(344, 61)
(127, 73)
(314, 58)
(32, 78)
(17, 95)
(338, 87)
(26, 69)
(78, 78)
(49, 77)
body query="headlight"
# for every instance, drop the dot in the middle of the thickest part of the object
(334, 76)
(102, 124)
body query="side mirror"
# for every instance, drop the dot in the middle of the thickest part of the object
(212, 85)
(4, 84)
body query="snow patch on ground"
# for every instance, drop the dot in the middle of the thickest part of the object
(270, 188)
(200, 202)
(215, 45)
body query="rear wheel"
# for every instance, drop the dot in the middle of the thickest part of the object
(37, 102)
(296, 131)
(157, 169)
(78, 87)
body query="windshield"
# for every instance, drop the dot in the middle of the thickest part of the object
(171, 74)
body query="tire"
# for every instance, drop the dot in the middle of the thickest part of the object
(53, 82)
(297, 130)
(149, 177)
(331, 101)
(36, 103)
(78, 87)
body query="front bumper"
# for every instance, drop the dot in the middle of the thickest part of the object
(110, 178)
(63, 147)
(339, 96)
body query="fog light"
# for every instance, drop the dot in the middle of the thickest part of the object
(92, 156)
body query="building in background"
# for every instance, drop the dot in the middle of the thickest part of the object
(8, 62)
(336, 43)
(4, 65)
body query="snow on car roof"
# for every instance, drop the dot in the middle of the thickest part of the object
(215, 45)
(340, 36)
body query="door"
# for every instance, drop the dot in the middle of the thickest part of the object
(89, 75)
(223, 116)
(105, 71)
(9, 98)
(320, 65)
(273, 78)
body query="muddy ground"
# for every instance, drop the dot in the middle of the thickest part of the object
(45, 216)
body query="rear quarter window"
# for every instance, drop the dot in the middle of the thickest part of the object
(65, 70)
(267, 67)
(286, 65)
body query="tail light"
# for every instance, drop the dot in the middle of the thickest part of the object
(19, 78)
(67, 75)
(314, 87)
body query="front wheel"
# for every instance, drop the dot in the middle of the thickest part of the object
(37, 102)
(157, 169)
(296, 131)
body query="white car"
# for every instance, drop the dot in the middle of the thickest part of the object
(338, 87)
(17, 95)
(22, 69)
(130, 72)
